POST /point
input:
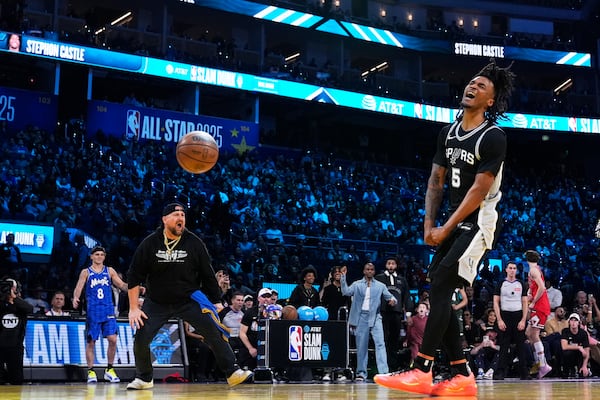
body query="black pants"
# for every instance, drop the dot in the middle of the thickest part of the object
(158, 315)
(512, 336)
(572, 360)
(442, 329)
(11, 365)
(244, 358)
(392, 323)
(487, 358)
(553, 350)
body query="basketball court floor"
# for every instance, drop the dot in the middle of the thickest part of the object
(547, 389)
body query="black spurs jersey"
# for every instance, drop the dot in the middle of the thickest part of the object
(464, 155)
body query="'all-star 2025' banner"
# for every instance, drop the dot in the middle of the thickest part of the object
(142, 123)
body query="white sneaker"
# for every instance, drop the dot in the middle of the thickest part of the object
(341, 378)
(138, 384)
(489, 375)
(326, 378)
(239, 376)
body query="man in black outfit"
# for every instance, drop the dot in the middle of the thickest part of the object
(13, 322)
(249, 327)
(305, 293)
(575, 345)
(174, 263)
(393, 316)
(332, 298)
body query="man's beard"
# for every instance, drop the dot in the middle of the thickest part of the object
(175, 231)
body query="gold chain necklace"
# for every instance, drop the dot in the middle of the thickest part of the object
(170, 244)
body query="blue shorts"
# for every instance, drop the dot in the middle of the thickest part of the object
(93, 329)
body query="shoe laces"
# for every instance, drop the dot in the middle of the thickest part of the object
(401, 371)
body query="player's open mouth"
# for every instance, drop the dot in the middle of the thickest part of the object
(470, 95)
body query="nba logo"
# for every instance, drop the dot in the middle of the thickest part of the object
(295, 347)
(572, 124)
(418, 111)
(132, 130)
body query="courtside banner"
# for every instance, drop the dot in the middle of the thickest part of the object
(315, 344)
(56, 342)
(139, 124)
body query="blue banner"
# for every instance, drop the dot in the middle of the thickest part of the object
(152, 124)
(141, 124)
(22, 108)
(59, 342)
(29, 238)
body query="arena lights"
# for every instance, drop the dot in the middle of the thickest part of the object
(292, 57)
(123, 19)
(379, 67)
(563, 86)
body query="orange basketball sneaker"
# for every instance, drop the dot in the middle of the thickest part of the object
(413, 381)
(458, 385)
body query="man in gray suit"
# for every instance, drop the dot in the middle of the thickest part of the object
(365, 318)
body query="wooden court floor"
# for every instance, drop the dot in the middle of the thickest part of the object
(508, 389)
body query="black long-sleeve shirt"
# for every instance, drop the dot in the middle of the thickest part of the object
(13, 322)
(302, 296)
(170, 278)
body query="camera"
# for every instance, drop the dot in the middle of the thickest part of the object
(5, 288)
(7, 285)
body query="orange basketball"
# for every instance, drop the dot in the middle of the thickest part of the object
(289, 312)
(197, 152)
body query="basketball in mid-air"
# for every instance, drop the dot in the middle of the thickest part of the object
(197, 152)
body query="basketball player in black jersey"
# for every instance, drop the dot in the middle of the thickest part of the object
(469, 158)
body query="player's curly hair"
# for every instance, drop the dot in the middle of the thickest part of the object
(504, 84)
(503, 80)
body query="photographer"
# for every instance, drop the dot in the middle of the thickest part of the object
(13, 313)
